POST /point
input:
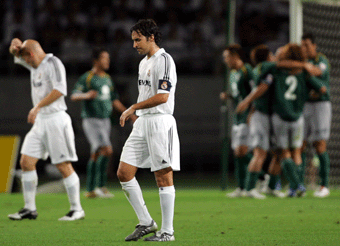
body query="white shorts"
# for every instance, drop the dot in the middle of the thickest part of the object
(240, 136)
(288, 134)
(318, 117)
(153, 143)
(51, 135)
(260, 130)
(97, 132)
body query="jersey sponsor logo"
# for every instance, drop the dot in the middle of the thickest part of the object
(105, 93)
(144, 82)
(164, 85)
(36, 83)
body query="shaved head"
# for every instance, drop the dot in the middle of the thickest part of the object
(32, 52)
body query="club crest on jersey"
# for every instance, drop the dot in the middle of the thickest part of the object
(164, 85)
(149, 72)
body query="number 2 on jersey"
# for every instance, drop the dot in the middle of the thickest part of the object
(291, 81)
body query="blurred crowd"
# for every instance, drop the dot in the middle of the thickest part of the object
(193, 30)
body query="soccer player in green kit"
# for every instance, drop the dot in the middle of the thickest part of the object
(290, 93)
(260, 127)
(318, 114)
(96, 90)
(240, 79)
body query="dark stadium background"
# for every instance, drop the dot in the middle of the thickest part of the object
(194, 33)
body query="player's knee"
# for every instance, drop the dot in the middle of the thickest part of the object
(320, 146)
(106, 151)
(123, 176)
(26, 164)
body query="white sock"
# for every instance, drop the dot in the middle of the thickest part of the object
(134, 194)
(167, 199)
(29, 181)
(72, 186)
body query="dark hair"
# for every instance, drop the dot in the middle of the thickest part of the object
(309, 36)
(294, 52)
(96, 52)
(261, 53)
(147, 27)
(236, 49)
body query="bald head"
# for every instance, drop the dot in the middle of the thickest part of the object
(32, 52)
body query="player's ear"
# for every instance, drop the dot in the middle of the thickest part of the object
(151, 38)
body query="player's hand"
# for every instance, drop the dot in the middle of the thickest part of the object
(92, 94)
(126, 115)
(314, 95)
(133, 118)
(241, 107)
(323, 90)
(32, 115)
(223, 96)
(15, 47)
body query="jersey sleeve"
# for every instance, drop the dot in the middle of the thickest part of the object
(315, 83)
(323, 65)
(22, 62)
(80, 85)
(58, 75)
(266, 73)
(165, 80)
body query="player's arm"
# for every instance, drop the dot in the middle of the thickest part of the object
(313, 70)
(317, 84)
(119, 106)
(50, 98)
(15, 47)
(151, 102)
(290, 64)
(256, 93)
(79, 96)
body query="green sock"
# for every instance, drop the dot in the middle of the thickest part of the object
(241, 169)
(101, 175)
(272, 181)
(290, 172)
(302, 167)
(251, 180)
(90, 175)
(324, 168)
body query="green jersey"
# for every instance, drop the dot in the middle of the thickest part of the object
(101, 106)
(290, 91)
(262, 103)
(323, 64)
(241, 82)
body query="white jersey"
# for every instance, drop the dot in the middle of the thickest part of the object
(49, 75)
(157, 75)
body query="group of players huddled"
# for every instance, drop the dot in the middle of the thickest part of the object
(280, 104)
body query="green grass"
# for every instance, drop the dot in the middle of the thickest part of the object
(202, 217)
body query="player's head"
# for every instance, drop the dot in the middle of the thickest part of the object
(260, 54)
(32, 52)
(232, 54)
(308, 45)
(281, 53)
(101, 58)
(295, 53)
(145, 34)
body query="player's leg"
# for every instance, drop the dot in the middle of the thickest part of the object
(90, 176)
(72, 185)
(254, 169)
(29, 180)
(322, 118)
(241, 158)
(321, 150)
(103, 159)
(259, 132)
(126, 175)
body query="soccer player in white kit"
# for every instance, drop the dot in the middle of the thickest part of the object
(52, 134)
(153, 142)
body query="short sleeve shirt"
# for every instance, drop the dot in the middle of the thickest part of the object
(157, 75)
(49, 75)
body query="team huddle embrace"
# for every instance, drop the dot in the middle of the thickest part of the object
(280, 105)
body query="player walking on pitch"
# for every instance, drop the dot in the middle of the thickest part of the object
(52, 134)
(97, 92)
(153, 142)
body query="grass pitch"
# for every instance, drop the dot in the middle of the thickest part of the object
(202, 217)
